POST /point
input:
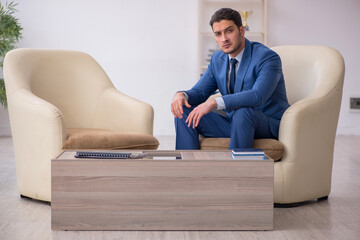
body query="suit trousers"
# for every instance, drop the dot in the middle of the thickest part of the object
(245, 125)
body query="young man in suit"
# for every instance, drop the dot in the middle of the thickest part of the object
(250, 79)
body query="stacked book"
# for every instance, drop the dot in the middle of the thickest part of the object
(248, 154)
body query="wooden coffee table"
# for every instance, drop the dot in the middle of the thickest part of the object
(204, 190)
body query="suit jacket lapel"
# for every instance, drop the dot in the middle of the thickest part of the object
(223, 72)
(244, 65)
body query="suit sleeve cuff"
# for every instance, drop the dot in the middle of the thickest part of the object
(185, 94)
(220, 103)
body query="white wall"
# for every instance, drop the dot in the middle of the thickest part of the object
(149, 48)
(332, 23)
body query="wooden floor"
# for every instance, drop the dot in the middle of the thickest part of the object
(335, 218)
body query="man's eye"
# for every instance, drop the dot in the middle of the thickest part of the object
(217, 34)
(229, 30)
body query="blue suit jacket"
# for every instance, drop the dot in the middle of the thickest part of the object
(259, 83)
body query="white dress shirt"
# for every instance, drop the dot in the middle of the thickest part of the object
(219, 100)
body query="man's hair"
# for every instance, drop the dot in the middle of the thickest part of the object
(226, 14)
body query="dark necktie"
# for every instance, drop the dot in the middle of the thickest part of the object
(232, 74)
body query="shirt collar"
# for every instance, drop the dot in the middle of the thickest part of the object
(238, 57)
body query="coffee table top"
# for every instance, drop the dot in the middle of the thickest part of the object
(176, 155)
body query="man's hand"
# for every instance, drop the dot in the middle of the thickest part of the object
(198, 112)
(177, 104)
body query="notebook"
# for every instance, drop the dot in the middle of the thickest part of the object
(108, 155)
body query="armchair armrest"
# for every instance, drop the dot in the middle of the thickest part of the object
(34, 118)
(38, 133)
(311, 122)
(118, 111)
(307, 130)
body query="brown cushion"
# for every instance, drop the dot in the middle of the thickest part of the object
(84, 138)
(273, 148)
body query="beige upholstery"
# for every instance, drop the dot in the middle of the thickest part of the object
(50, 92)
(314, 77)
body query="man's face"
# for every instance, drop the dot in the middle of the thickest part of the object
(229, 37)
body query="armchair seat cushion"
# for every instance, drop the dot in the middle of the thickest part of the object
(85, 138)
(273, 148)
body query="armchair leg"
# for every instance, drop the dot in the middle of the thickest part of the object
(323, 198)
(22, 196)
(36, 200)
(290, 205)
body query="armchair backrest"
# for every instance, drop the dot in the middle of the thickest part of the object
(310, 70)
(72, 81)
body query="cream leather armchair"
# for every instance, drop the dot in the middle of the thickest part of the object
(63, 99)
(314, 77)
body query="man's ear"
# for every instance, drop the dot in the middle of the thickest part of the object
(241, 31)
